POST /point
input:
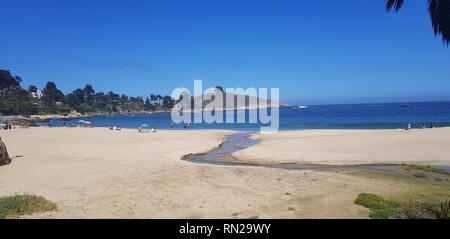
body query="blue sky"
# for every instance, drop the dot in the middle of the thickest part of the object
(316, 52)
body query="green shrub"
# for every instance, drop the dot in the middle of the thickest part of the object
(373, 201)
(420, 175)
(384, 209)
(427, 169)
(14, 206)
(383, 213)
(444, 210)
(441, 179)
(411, 210)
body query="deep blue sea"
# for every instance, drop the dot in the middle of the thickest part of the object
(351, 116)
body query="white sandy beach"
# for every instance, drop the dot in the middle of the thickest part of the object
(351, 147)
(98, 173)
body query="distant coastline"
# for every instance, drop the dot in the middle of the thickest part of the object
(32, 120)
(357, 116)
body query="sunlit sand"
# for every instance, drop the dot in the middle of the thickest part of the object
(98, 173)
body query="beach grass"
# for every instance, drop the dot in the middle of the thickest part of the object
(14, 206)
(374, 202)
(383, 208)
(426, 169)
(383, 213)
(425, 190)
(441, 179)
(419, 197)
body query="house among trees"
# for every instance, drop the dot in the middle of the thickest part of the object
(37, 95)
(14, 100)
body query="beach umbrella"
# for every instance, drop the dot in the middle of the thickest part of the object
(2, 125)
(87, 122)
(55, 121)
(145, 125)
(81, 121)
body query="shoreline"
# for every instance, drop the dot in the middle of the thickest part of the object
(45, 118)
(48, 117)
(236, 161)
(426, 147)
(72, 116)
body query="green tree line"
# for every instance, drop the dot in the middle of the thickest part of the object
(15, 100)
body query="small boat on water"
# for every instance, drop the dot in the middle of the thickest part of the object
(303, 107)
(405, 105)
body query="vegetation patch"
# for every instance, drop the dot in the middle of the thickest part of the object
(386, 209)
(383, 213)
(374, 202)
(427, 169)
(420, 175)
(17, 205)
(441, 179)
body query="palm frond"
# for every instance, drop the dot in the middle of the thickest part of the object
(394, 4)
(440, 18)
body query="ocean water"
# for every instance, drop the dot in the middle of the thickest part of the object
(351, 116)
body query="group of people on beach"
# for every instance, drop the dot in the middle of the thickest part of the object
(141, 130)
(186, 126)
(171, 125)
(70, 124)
(115, 128)
(10, 126)
(422, 125)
